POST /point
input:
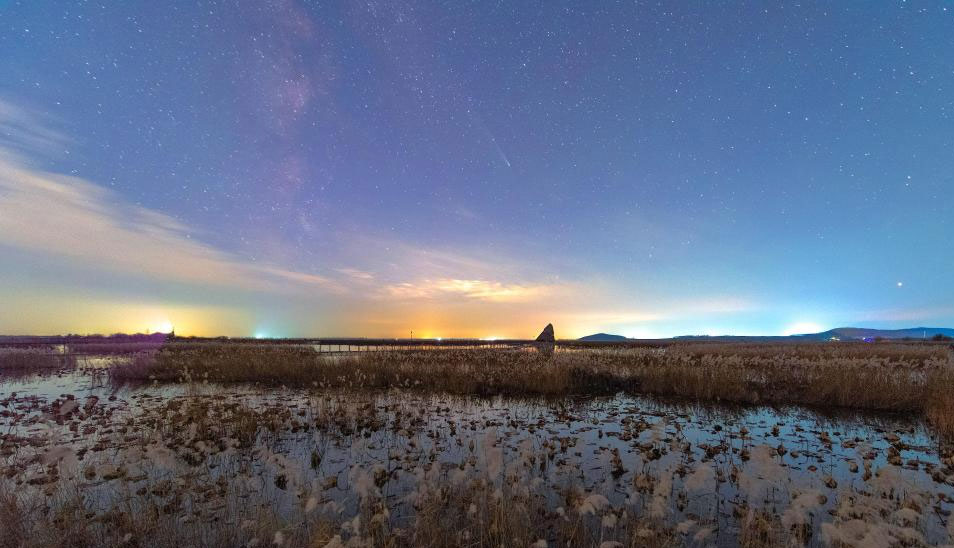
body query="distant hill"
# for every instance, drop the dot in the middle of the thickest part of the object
(861, 333)
(603, 337)
(840, 333)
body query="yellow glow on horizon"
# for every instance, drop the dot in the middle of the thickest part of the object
(46, 312)
(55, 313)
(164, 326)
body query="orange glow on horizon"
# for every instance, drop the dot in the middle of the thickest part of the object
(52, 313)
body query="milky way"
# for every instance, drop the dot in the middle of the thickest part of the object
(475, 168)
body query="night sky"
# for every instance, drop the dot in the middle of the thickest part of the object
(475, 168)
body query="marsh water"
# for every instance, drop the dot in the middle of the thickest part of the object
(697, 468)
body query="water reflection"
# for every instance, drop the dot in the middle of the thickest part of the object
(702, 465)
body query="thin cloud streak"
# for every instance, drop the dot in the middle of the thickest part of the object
(355, 273)
(937, 313)
(369, 281)
(482, 290)
(91, 226)
(26, 133)
(70, 217)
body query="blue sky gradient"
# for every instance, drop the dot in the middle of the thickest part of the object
(475, 168)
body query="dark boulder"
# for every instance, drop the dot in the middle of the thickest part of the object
(547, 334)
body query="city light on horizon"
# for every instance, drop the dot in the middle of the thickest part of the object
(163, 327)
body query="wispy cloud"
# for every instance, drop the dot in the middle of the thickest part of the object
(355, 273)
(910, 314)
(94, 227)
(715, 304)
(482, 290)
(372, 283)
(26, 133)
(602, 319)
(90, 225)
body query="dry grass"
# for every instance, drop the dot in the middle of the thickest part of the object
(218, 475)
(117, 347)
(377, 456)
(477, 517)
(939, 403)
(28, 359)
(893, 377)
(887, 377)
(218, 470)
(349, 465)
(455, 371)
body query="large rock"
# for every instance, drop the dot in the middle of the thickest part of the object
(547, 334)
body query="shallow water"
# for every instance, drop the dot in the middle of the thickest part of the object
(694, 465)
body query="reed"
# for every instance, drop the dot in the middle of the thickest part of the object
(226, 469)
(30, 359)
(893, 377)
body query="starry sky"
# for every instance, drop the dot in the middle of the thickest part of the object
(475, 169)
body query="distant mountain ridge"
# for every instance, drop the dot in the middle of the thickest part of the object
(839, 333)
(862, 333)
(603, 337)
